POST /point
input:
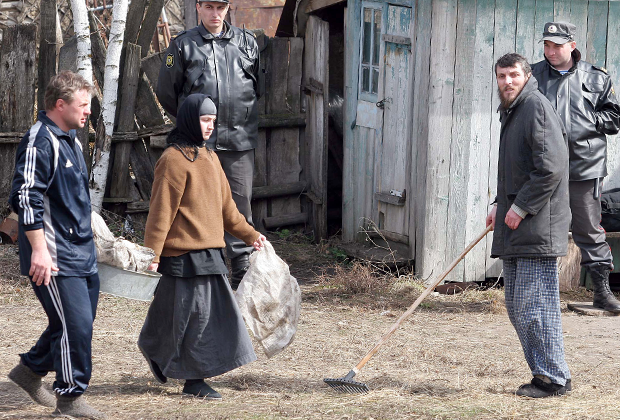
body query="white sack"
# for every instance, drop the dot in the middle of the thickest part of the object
(119, 252)
(270, 300)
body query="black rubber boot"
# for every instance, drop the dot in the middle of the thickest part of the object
(541, 389)
(199, 388)
(32, 383)
(239, 266)
(603, 297)
(70, 406)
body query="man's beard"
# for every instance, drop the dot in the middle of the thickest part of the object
(505, 102)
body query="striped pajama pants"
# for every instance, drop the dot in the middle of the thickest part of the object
(65, 346)
(531, 287)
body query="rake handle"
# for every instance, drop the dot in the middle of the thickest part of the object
(415, 304)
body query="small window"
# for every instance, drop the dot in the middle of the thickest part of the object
(371, 35)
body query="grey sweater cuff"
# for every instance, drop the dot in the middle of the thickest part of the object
(522, 213)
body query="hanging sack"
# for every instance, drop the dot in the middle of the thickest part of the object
(270, 300)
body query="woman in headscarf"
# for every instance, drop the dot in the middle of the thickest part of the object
(193, 329)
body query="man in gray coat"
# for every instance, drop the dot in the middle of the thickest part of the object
(531, 219)
(584, 98)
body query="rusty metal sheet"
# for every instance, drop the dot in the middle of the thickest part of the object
(258, 14)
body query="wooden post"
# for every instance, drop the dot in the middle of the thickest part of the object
(135, 14)
(48, 48)
(151, 66)
(17, 76)
(147, 112)
(191, 18)
(98, 50)
(119, 182)
(316, 56)
(149, 25)
(259, 208)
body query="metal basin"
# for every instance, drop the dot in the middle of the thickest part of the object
(129, 284)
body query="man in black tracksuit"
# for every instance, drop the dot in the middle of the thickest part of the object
(584, 98)
(50, 194)
(221, 61)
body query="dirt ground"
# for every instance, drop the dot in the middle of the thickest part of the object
(457, 357)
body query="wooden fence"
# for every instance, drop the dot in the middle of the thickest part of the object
(282, 160)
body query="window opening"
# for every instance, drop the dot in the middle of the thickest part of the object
(371, 37)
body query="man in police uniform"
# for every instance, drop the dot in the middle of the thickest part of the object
(222, 61)
(584, 98)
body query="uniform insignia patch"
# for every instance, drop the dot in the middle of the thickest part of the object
(169, 60)
(552, 29)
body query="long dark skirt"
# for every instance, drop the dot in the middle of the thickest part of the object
(194, 329)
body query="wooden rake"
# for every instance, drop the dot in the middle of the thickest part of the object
(346, 384)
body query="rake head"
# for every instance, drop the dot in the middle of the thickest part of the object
(347, 385)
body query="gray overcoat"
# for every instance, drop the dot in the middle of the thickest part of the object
(533, 174)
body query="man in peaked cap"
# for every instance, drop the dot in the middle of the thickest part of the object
(221, 61)
(584, 98)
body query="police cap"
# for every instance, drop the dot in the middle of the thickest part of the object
(559, 32)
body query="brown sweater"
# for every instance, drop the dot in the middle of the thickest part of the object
(191, 206)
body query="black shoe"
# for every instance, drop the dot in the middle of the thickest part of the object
(155, 370)
(239, 266)
(603, 297)
(200, 389)
(540, 389)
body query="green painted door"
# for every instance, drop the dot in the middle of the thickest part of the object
(393, 192)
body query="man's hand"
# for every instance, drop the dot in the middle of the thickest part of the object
(512, 219)
(41, 265)
(491, 217)
(153, 267)
(259, 243)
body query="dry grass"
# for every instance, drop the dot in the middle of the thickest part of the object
(457, 357)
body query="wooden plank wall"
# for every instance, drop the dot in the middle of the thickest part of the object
(456, 126)
(17, 103)
(278, 157)
(500, 28)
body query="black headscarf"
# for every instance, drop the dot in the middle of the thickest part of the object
(187, 135)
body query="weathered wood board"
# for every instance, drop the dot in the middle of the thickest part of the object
(119, 184)
(460, 149)
(433, 256)
(17, 84)
(48, 47)
(283, 96)
(316, 73)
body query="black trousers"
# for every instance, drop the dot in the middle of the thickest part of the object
(239, 169)
(588, 234)
(65, 346)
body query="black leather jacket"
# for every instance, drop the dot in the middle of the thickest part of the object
(224, 68)
(585, 101)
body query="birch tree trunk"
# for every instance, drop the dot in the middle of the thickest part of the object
(101, 154)
(82, 33)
